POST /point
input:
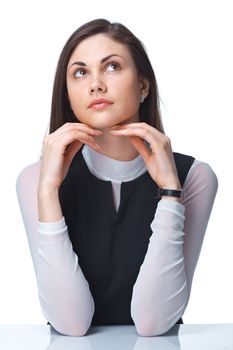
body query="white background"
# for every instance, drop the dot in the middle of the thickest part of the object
(189, 44)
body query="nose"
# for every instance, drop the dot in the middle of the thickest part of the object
(97, 85)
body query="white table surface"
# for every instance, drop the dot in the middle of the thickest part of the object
(184, 336)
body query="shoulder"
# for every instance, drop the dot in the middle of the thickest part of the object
(28, 177)
(203, 171)
(201, 176)
(197, 170)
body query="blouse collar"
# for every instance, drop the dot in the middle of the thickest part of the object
(110, 169)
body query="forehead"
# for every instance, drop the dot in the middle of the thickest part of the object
(98, 46)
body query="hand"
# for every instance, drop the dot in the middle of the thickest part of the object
(159, 160)
(59, 148)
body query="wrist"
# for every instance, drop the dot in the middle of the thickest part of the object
(170, 193)
(174, 199)
(45, 191)
(174, 186)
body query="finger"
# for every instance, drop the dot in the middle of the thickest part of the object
(72, 150)
(145, 134)
(76, 126)
(141, 125)
(140, 147)
(65, 139)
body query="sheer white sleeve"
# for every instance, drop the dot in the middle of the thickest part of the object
(162, 289)
(64, 293)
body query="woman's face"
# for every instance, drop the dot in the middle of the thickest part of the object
(114, 78)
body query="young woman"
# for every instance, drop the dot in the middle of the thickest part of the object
(114, 218)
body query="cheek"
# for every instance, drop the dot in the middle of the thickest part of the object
(72, 90)
(75, 97)
(129, 106)
(132, 88)
(131, 96)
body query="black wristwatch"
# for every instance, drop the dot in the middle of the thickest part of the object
(170, 193)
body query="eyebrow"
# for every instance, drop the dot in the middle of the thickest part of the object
(102, 61)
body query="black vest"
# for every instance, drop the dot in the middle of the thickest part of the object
(110, 245)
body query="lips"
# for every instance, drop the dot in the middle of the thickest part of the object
(100, 105)
(100, 101)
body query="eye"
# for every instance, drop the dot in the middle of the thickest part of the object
(113, 64)
(78, 70)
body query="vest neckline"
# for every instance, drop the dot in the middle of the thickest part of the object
(101, 181)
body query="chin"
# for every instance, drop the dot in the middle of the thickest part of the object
(106, 120)
(100, 124)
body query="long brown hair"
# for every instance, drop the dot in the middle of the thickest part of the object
(149, 110)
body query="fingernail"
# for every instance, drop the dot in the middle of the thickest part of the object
(115, 127)
(97, 146)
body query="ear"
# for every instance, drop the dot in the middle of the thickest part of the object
(144, 86)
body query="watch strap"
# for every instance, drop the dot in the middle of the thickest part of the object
(169, 192)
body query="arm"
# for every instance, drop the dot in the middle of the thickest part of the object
(162, 289)
(64, 293)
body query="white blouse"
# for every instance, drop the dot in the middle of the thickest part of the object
(162, 289)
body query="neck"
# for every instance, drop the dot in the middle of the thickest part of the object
(115, 147)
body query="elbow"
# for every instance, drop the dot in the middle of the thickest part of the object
(157, 323)
(148, 327)
(72, 330)
(152, 330)
(75, 331)
(149, 333)
(147, 330)
(72, 326)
